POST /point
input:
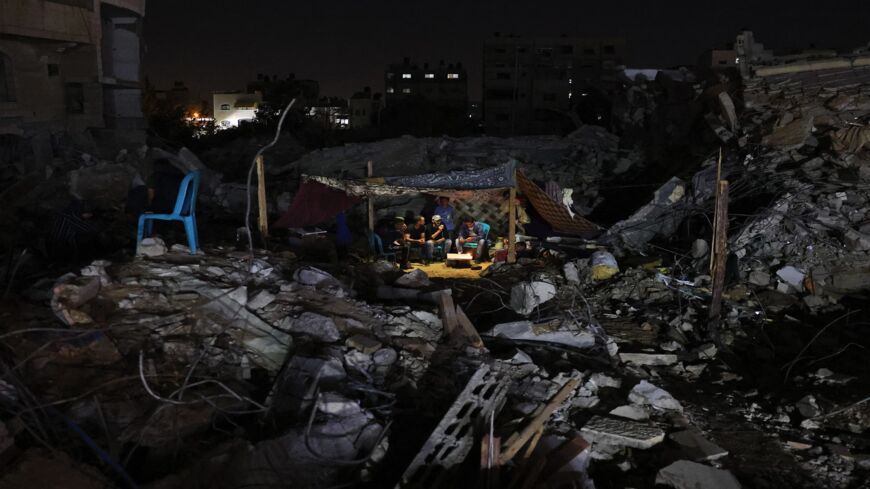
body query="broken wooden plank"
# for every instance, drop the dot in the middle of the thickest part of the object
(525, 463)
(517, 440)
(261, 198)
(564, 454)
(448, 314)
(465, 332)
(720, 252)
(489, 468)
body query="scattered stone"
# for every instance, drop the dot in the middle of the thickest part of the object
(526, 330)
(700, 248)
(631, 411)
(647, 394)
(385, 357)
(757, 277)
(336, 404)
(609, 431)
(792, 276)
(603, 380)
(648, 359)
(684, 474)
(572, 275)
(527, 296)
(262, 299)
(320, 328)
(698, 447)
(239, 295)
(415, 279)
(808, 407)
(363, 343)
(151, 247)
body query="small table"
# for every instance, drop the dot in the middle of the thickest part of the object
(459, 259)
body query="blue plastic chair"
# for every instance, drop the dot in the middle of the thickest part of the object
(184, 211)
(376, 246)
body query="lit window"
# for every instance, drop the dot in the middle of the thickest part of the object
(737, 61)
(452, 76)
(225, 106)
(406, 76)
(390, 90)
(430, 76)
(406, 90)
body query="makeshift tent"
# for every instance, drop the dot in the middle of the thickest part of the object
(321, 198)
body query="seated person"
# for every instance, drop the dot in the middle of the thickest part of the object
(471, 231)
(415, 236)
(393, 238)
(524, 250)
(438, 234)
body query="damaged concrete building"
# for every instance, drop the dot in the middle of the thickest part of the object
(70, 66)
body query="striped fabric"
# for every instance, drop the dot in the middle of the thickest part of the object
(554, 212)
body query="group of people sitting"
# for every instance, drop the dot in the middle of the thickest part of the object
(440, 232)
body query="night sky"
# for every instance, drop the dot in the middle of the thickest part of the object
(346, 44)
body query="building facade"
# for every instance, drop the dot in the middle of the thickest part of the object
(445, 84)
(232, 108)
(530, 85)
(364, 108)
(71, 66)
(742, 54)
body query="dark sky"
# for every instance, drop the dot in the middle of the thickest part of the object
(346, 44)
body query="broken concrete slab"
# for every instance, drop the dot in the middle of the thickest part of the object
(696, 446)
(260, 300)
(151, 247)
(648, 359)
(631, 411)
(647, 394)
(526, 330)
(684, 474)
(527, 296)
(316, 326)
(363, 343)
(609, 431)
(415, 279)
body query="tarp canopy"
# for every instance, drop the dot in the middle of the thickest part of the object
(320, 198)
(500, 177)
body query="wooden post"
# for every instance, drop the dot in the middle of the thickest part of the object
(370, 201)
(261, 199)
(512, 223)
(716, 199)
(720, 251)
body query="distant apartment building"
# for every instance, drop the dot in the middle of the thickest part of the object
(529, 84)
(742, 54)
(363, 108)
(280, 91)
(71, 66)
(232, 108)
(329, 113)
(445, 84)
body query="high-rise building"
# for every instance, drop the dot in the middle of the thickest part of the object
(530, 85)
(445, 84)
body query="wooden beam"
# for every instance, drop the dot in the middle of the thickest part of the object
(720, 251)
(449, 322)
(466, 333)
(517, 440)
(489, 468)
(261, 199)
(561, 456)
(524, 465)
(512, 226)
(370, 202)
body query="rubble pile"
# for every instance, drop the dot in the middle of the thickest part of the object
(580, 162)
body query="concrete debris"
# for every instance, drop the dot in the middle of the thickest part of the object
(808, 407)
(631, 411)
(526, 330)
(696, 446)
(615, 432)
(646, 394)
(527, 296)
(151, 247)
(416, 279)
(651, 359)
(654, 219)
(315, 326)
(684, 474)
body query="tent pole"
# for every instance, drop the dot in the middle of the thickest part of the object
(261, 199)
(512, 225)
(370, 201)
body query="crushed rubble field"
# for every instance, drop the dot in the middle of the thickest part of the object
(590, 365)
